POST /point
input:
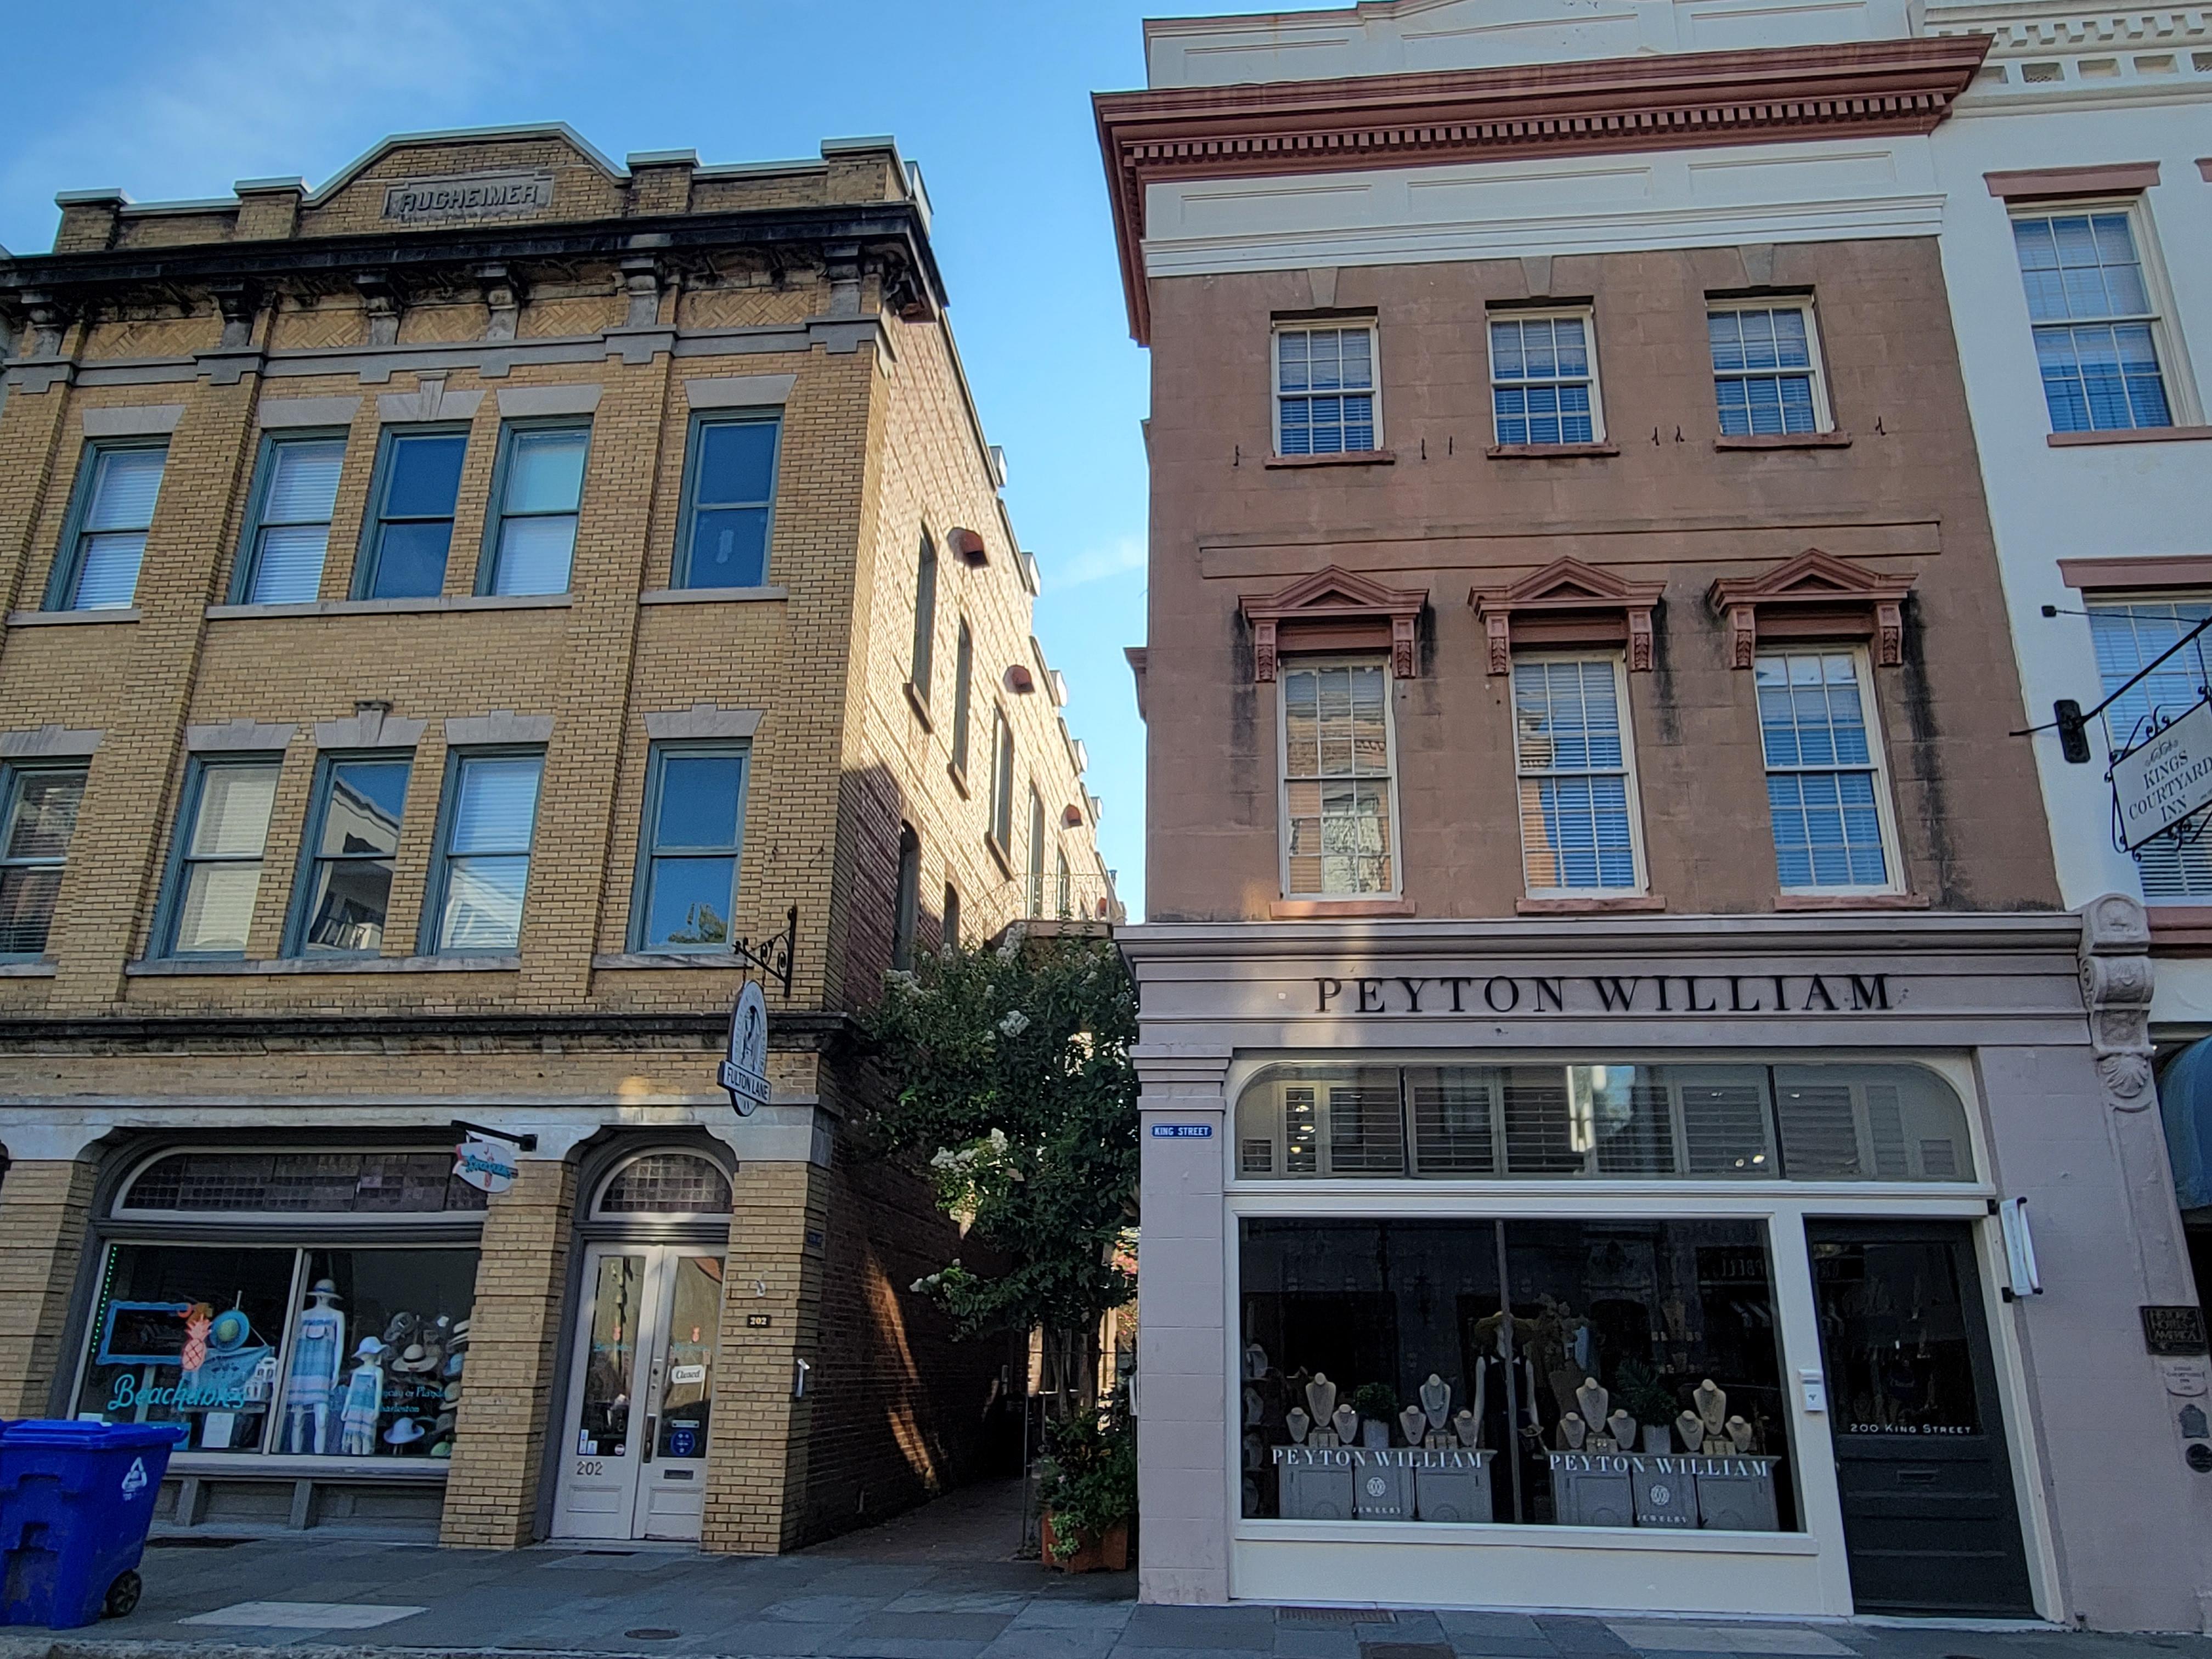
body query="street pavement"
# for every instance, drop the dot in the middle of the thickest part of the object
(937, 1583)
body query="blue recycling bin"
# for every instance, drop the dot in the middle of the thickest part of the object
(75, 1499)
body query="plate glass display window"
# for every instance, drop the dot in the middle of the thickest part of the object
(1578, 1371)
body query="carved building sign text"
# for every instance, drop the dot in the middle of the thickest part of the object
(467, 197)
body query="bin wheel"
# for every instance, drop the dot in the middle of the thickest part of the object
(122, 1597)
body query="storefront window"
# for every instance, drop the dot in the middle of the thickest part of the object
(378, 1348)
(1605, 1121)
(1542, 1372)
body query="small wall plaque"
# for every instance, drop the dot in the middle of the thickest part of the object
(2176, 1328)
(756, 1322)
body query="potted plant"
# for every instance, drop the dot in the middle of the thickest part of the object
(1087, 1489)
(1376, 1407)
(1649, 1401)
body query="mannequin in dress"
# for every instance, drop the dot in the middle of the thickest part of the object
(364, 1401)
(318, 1362)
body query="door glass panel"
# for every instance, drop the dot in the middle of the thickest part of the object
(610, 1366)
(1894, 1329)
(694, 1303)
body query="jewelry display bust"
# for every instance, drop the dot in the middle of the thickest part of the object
(1412, 1422)
(1297, 1423)
(1321, 1397)
(1622, 1427)
(1691, 1428)
(1711, 1402)
(1592, 1402)
(1467, 1428)
(1738, 1434)
(1572, 1431)
(1436, 1401)
(1346, 1422)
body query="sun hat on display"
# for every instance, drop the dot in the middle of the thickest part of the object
(228, 1330)
(404, 1432)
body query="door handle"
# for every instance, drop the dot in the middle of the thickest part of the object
(652, 1424)
(1917, 1477)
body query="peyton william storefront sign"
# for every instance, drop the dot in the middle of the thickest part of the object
(1606, 993)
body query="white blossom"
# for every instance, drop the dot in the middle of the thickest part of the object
(1014, 1024)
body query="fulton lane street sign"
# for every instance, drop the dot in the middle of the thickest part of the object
(744, 1071)
(2164, 779)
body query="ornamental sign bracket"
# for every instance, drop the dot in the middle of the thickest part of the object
(772, 957)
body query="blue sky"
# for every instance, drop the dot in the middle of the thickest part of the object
(991, 96)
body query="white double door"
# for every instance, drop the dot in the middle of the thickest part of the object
(640, 1392)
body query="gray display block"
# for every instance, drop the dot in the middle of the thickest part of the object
(1315, 1485)
(1592, 1489)
(1382, 1489)
(1666, 1493)
(1453, 1486)
(1736, 1494)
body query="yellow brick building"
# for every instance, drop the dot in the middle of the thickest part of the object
(444, 610)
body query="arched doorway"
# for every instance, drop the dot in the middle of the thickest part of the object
(641, 1383)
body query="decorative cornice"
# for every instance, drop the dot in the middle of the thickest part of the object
(1667, 102)
(1564, 594)
(1333, 600)
(1814, 582)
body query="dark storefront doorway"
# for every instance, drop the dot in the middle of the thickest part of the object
(1930, 1524)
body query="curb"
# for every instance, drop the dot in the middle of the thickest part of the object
(67, 1645)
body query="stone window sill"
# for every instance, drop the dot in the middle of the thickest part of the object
(1347, 458)
(920, 704)
(186, 967)
(959, 778)
(1327, 909)
(1851, 901)
(1786, 441)
(42, 967)
(1000, 855)
(711, 595)
(1589, 904)
(432, 606)
(1547, 451)
(2147, 434)
(70, 618)
(680, 961)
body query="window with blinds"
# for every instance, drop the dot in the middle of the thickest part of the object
(1337, 793)
(1604, 1122)
(484, 866)
(1577, 787)
(290, 530)
(2129, 637)
(98, 569)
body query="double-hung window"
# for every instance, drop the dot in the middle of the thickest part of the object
(116, 489)
(36, 822)
(1339, 839)
(531, 537)
(215, 872)
(353, 836)
(288, 531)
(729, 489)
(964, 674)
(1826, 791)
(1577, 778)
(1767, 370)
(906, 912)
(1543, 380)
(418, 480)
(2130, 635)
(1037, 855)
(483, 869)
(2096, 324)
(1002, 785)
(694, 825)
(1325, 390)
(925, 619)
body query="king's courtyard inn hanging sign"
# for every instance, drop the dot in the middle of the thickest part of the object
(2163, 781)
(1608, 993)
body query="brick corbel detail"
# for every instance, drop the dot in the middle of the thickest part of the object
(1569, 602)
(1814, 594)
(1334, 609)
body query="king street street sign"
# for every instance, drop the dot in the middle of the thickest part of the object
(745, 1073)
(2161, 781)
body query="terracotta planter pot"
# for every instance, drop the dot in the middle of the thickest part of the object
(1094, 1553)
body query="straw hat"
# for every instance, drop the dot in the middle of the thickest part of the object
(405, 1432)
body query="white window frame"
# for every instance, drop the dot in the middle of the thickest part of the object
(1587, 316)
(1627, 766)
(1347, 659)
(1313, 325)
(1885, 804)
(1824, 415)
(2183, 664)
(2182, 406)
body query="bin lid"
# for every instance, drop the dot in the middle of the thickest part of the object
(93, 1436)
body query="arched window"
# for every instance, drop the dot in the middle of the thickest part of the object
(666, 1184)
(909, 897)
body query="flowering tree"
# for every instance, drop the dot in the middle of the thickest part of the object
(1010, 1074)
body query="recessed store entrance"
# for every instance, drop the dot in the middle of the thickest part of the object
(1930, 1524)
(641, 1380)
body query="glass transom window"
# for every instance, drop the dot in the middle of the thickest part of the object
(666, 1183)
(1324, 391)
(2095, 325)
(1602, 1122)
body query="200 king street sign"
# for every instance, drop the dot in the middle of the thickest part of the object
(745, 1073)
(2169, 777)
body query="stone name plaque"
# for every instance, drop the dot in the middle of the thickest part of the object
(467, 199)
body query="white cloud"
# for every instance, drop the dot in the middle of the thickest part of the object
(1097, 564)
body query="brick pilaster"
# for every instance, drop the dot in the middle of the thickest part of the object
(45, 1205)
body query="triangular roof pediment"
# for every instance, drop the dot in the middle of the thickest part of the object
(1811, 577)
(1568, 584)
(1333, 593)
